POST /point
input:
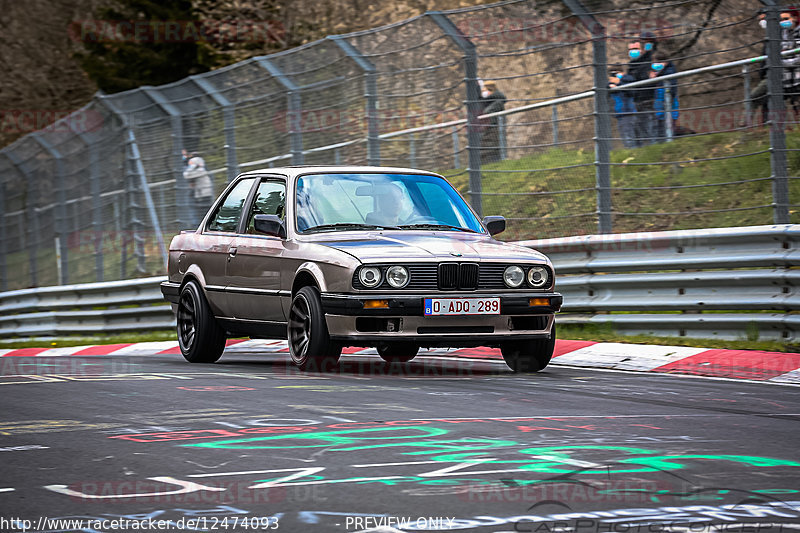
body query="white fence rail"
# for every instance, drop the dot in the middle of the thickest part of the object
(725, 283)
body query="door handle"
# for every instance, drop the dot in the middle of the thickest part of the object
(232, 251)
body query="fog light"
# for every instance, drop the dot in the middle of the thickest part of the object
(376, 304)
(538, 301)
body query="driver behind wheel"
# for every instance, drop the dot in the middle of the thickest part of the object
(388, 204)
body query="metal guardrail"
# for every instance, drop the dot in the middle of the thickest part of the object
(727, 283)
(90, 308)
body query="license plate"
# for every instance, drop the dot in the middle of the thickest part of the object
(462, 306)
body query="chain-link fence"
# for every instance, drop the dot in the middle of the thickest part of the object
(97, 195)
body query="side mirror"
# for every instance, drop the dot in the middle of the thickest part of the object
(269, 225)
(495, 224)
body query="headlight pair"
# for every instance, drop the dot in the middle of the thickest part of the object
(514, 276)
(396, 276)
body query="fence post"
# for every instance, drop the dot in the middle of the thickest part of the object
(182, 190)
(668, 110)
(473, 102)
(777, 112)
(61, 209)
(97, 211)
(555, 124)
(91, 143)
(3, 243)
(747, 103)
(138, 168)
(294, 105)
(501, 125)
(456, 149)
(30, 209)
(370, 94)
(602, 116)
(229, 124)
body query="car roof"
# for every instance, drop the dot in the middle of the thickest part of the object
(294, 170)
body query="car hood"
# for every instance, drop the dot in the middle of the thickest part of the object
(410, 245)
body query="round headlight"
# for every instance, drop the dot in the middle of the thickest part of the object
(538, 276)
(513, 276)
(397, 276)
(370, 277)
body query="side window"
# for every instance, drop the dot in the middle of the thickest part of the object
(226, 217)
(270, 200)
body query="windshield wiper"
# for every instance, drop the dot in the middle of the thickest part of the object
(347, 225)
(438, 226)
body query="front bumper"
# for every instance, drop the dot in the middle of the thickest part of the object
(171, 291)
(403, 320)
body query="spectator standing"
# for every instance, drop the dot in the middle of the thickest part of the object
(493, 101)
(199, 181)
(790, 39)
(662, 66)
(624, 107)
(640, 53)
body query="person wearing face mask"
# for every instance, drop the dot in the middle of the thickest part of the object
(624, 107)
(662, 66)
(640, 53)
(790, 39)
(493, 101)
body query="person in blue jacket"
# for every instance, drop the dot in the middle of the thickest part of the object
(662, 66)
(624, 107)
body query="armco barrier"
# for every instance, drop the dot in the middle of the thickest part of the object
(727, 283)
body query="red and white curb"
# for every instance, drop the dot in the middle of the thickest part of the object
(738, 364)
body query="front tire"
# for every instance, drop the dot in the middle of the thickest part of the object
(397, 352)
(310, 344)
(201, 338)
(529, 356)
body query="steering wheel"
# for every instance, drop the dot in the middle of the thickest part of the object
(420, 219)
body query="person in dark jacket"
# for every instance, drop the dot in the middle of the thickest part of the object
(493, 101)
(624, 107)
(641, 52)
(662, 66)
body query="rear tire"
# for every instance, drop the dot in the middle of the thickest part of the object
(529, 356)
(201, 338)
(310, 344)
(397, 352)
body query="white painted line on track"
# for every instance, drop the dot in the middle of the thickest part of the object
(627, 356)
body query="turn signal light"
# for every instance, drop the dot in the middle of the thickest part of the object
(538, 301)
(376, 304)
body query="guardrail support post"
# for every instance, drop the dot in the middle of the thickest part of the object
(474, 105)
(62, 249)
(294, 105)
(370, 94)
(602, 116)
(777, 116)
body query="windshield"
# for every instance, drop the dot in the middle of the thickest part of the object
(338, 202)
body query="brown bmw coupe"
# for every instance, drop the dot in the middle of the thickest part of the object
(328, 257)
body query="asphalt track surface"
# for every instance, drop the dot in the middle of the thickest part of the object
(149, 443)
